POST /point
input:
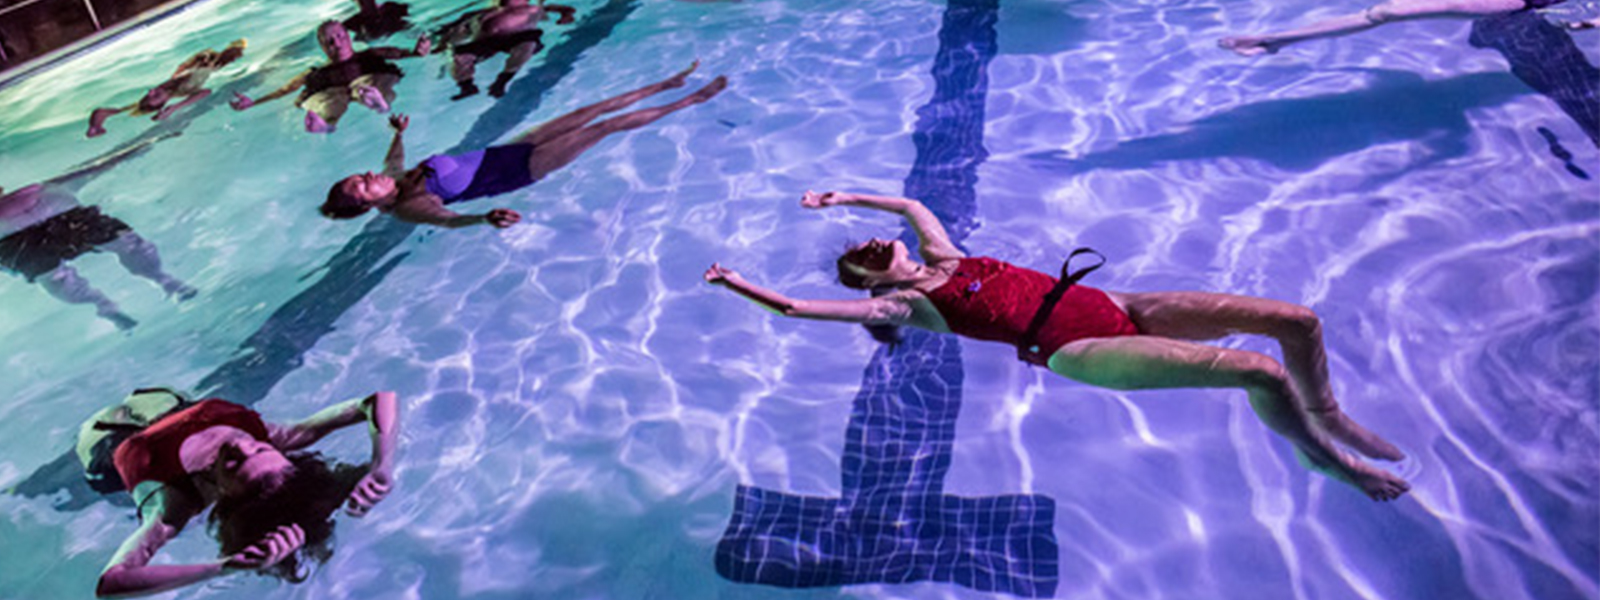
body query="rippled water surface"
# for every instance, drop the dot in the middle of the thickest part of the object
(579, 407)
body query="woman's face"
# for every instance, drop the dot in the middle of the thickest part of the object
(369, 187)
(875, 258)
(246, 465)
(877, 255)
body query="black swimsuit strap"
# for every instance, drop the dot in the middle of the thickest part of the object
(1028, 344)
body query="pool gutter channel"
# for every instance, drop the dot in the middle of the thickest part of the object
(100, 38)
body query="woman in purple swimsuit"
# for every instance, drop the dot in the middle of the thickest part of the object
(1123, 341)
(421, 194)
(1387, 12)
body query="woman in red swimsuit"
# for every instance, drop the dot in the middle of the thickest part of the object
(1121, 341)
(272, 510)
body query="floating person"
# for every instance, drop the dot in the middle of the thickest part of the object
(272, 507)
(189, 81)
(43, 228)
(422, 194)
(375, 20)
(367, 77)
(511, 27)
(1123, 341)
(1379, 14)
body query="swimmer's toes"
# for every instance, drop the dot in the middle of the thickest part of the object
(677, 80)
(711, 89)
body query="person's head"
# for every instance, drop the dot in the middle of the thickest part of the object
(303, 490)
(335, 40)
(353, 196)
(875, 263)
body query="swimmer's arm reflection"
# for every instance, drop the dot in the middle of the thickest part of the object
(381, 413)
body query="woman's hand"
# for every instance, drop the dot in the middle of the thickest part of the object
(720, 275)
(241, 101)
(813, 199)
(423, 47)
(270, 550)
(399, 122)
(502, 218)
(371, 490)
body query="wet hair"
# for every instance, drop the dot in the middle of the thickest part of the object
(308, 497)
(342, 205)
(882, 333)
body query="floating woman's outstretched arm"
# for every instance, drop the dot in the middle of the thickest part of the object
(890, 309)
(381, 413)
(935, 245)
(164, 512)
(1373, 16)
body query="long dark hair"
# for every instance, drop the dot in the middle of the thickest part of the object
(882, 333)
(313, 491)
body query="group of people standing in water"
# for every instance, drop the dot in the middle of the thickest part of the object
(272, 504)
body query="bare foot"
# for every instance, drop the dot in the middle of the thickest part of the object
(122, 321)
(1377, 484)
(1247, 45)
(97, 121)
(1580, 25)
(315, 124)
(1345, 431)
(711, 89)
(677, 81)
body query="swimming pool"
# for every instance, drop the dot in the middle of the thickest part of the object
(580, 408)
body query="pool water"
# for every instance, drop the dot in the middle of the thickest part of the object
(580, 410)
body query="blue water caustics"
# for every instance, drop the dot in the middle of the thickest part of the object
(893, 523)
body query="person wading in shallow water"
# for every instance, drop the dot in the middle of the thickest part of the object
(1123, 341)
(423, 193)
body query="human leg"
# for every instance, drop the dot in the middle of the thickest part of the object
(141, 258)
(1298, 331)
(463, 67)
(1386, 12)
(573, 120)
(97, 120)
(518, 56)
(556, 153)
(65, 284)
(1150, 362)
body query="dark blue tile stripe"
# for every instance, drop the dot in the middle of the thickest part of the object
(893, 523)
(1545, 57)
